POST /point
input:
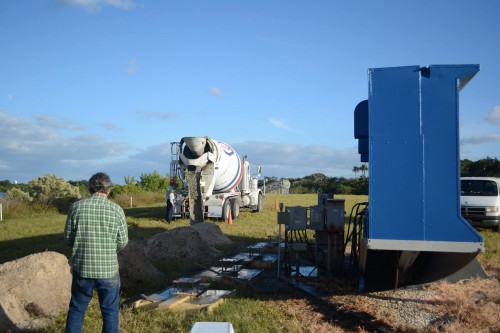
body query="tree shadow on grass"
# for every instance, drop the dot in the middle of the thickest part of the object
(18, 248)
(155, 213)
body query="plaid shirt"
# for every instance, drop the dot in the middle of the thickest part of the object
(95, 230)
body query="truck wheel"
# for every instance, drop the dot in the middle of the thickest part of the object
(258, 209)
(226, 208)
(235, 209)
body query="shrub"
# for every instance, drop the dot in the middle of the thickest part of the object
(51, 190)
(153, 182)
(43, 194)
(17, 195)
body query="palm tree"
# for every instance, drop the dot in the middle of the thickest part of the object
(363, 168)
(355, 169)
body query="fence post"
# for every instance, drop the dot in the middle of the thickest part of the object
(1, 216)
(130, 201)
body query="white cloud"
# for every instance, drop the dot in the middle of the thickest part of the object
(110, 127)
(279, 123)
(482, 139)
(31, 149)
(216, 91)
(494, 115)
(48, 121)
(96, 5)
(156, 115)
(294, 161)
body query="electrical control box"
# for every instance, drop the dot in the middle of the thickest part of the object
(284, 218)
(335, 215)
(317, 217)
(298, 218)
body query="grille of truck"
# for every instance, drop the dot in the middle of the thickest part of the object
(473, 211)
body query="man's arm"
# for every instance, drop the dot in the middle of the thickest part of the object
(69, 230)
(122, 239)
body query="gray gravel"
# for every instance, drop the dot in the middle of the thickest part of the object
(408, 305)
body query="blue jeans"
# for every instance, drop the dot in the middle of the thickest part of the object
(108, 291)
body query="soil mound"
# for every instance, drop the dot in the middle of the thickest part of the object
(211, 233)
(33, 289)
(197, 241)
(135, 267)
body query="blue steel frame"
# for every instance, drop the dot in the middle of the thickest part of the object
(408, 132)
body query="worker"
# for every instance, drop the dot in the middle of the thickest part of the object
(95, 230)
(170, 198)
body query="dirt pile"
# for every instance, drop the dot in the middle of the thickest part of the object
(135, 267)
(33, 289)
(197, 241)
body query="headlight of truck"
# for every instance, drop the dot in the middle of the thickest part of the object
(491, 210)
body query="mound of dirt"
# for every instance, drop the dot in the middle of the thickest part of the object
(135, 267)
(33, 289)
(197, 241)
(211, 233)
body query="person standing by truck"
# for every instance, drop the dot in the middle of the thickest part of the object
(95, 230)
(170, 198)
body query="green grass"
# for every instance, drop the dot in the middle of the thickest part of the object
(491, 257)
(257, 313)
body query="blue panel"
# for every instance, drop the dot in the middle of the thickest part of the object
(361, 120)
(414, 153)
(442, 153)
(361, 129)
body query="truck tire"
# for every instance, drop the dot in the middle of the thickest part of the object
(226, 208)
(235, 209)
(260, 203)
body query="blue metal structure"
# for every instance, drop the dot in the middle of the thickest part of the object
(408, 132)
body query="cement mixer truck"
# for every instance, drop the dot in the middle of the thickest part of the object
(219, 181)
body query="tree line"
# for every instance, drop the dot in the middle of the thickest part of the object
(319, 183)
(42, 188)
(486, 167)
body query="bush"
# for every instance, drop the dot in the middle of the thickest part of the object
(129, 189)
(43, 194)
(17, 195)
(51, 190)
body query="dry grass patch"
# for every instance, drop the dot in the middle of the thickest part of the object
(467, 306)
(310, 319)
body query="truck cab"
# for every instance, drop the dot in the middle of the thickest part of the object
(480, 201)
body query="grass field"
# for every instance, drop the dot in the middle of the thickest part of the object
(248, 312)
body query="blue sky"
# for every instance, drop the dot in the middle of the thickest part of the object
(106, 85)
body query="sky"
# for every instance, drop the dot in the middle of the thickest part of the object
(106, 85)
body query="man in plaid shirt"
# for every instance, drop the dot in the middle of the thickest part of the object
(95, 230)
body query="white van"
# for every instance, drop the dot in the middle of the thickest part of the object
(480, 201)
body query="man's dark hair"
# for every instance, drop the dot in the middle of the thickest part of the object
(100, 183)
